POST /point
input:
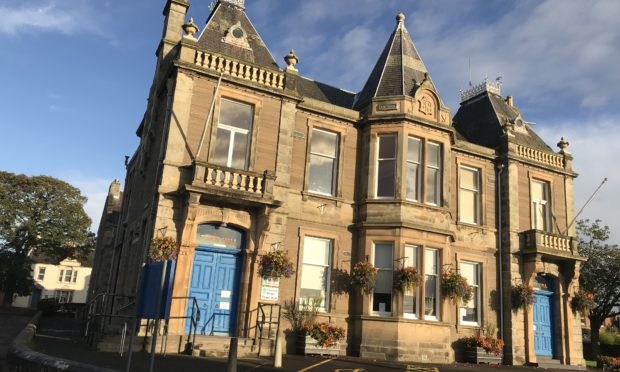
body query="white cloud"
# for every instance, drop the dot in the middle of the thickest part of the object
(594, 145)
(68, 17)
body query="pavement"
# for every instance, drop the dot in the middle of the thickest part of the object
(58, 336)
(12, 321)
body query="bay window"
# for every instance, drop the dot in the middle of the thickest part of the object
(382, 293)
(323, 162)
(315, 271)
(386, 166)
(233, 135)
(414, 171)
(410, 296)
(433, 173)
(431, 284)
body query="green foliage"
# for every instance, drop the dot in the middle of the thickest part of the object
(454, 286)
(583, 301)
(39, 216)
(325, 334)
(610, 338)
(600, 274)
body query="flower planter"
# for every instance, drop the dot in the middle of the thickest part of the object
(306, 345)
(479, 355)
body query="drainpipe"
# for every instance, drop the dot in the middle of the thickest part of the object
(500, 169)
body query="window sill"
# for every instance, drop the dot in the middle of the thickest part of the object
(469, 324)
(377, 200)
(305, 195)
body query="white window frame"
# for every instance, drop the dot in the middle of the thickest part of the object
(74, 279)
(233, 130)
(477, 294)
(418, 176)
(379, 160)
(435, 252)
(62, 275)
(326, 301)
(438, 182)
(69, 274)
(391, 269)
(477, 194)
(63, 296)
(544, 203)
(333, 158)
(416, 290)
(41, 274)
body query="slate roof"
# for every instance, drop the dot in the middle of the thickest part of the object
(325, 93)
(481, 118)
(398, 71)
(221, 19)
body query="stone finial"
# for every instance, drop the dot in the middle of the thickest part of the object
(291, 60)
(190, 29)
(563, 145)
(400, 18)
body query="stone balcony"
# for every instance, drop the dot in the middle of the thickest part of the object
(234, 186)
(549, 244)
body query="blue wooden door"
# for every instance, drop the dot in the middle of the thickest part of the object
(543, 324)
(214, 284)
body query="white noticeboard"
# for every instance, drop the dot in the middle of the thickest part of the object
(269, 293)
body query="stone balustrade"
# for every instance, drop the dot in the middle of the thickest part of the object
(540, 156)
(255, 184)
(541, 241)
(229, 66)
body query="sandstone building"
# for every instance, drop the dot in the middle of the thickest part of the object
(238, 157)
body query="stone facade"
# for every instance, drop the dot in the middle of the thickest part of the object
(403, 176)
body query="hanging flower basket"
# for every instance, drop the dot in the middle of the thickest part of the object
(163, 249)
(275, 264)
(455, 287)
(406, 278)
(522, 296)
(583, 302)
(363, 276)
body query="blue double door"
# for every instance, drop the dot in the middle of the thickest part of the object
(543, 323)
(215, 285)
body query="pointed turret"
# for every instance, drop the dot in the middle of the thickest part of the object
(399, 70)
(230, 32)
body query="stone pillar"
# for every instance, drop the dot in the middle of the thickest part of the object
(184, 264)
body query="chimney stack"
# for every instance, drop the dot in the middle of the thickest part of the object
(509, 101)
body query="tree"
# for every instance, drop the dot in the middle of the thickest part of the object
(600, 274)
(40, 216)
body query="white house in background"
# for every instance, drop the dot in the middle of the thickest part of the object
(68, 282)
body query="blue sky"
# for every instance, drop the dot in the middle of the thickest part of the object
(75, 73)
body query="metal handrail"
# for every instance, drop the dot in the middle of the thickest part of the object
(261, 318)
(194, 318)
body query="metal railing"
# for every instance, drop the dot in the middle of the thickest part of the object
(100, 309)
(271, 321)
(194, 319)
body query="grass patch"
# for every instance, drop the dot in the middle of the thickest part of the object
(591, 363)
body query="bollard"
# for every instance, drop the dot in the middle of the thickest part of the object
(232, 355)
(277, 360)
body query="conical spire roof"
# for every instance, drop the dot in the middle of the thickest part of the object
(399, 70)
(229, 31)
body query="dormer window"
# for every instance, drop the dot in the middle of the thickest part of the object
(237, 36)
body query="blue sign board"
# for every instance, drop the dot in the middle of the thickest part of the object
(149, 291)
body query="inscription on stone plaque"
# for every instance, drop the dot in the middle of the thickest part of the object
(387, 107)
